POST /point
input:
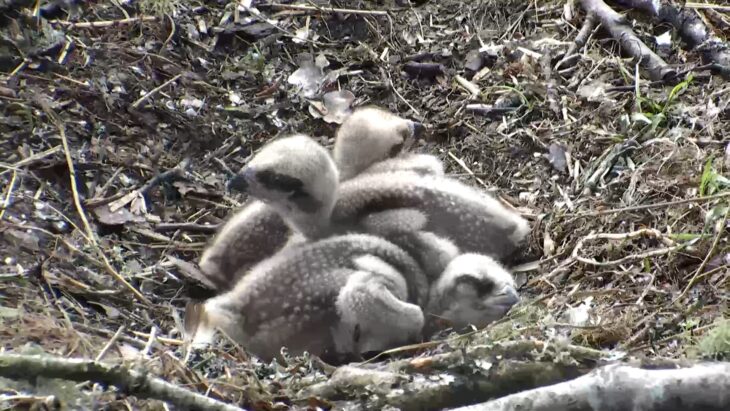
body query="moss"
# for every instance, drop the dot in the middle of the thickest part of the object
(716, 343)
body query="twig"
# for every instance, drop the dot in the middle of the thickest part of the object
(489, 109)
(145, 353)
(691, 28)
(163, 340)
(142, 385)
(580, 40)
(154, 91)
(109, 344)
(82, 214)
(424, 70)
(550, 85)
(324, 9)
(191, 227)
(655, 205)
(648, 232)
(177, 171)
(6, 201)
(720, 227)
(466, 168)
(31, 159)
(695, 5)
(622, 32)
(607, 160)
(390, 80)
(468, 85)
(103, 23)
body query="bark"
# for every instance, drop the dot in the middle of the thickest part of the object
(630, 43)
(20, 366)
(455, 378)
(690, 28)
(621, 387)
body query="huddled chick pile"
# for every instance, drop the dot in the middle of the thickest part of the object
(360, 250)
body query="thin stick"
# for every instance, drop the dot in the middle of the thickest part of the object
(154, 91)
(191, 227)
(82, 214)
(695, 5)
(655, 205)
(109, 344)
(464, 167)
(720, 226)
(6, 201)
(150, 341)
(32, 159)
(104, 23)
(325, 9)
(626, 236)
(390, 80)
(472, 88)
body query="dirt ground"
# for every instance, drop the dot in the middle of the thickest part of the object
(152, 115)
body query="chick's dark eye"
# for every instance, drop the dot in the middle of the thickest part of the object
(279, 182)
(482, 287)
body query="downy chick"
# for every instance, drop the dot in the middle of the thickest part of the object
(257, 232)
(371, 140)
(359, 285)
(473, 290)
(328, 297)
(466, 288)
(475, 222)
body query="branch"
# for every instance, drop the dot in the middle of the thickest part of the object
(644, 232)
(580, 40)
(469, 381)
(621, 31)
(456, 378)
(621, 387)
(20, 366)
(691, 29)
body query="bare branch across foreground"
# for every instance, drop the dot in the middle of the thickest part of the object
(21, 366)
(621, 387)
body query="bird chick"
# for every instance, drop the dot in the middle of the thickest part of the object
(475, 222)
(250, 235)
(473, 290)
(341, 295)
(364, 143)
(372, 316)
(371, 137)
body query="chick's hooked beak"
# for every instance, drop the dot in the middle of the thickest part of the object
(418, 130)
(507, 297)
(242, 181)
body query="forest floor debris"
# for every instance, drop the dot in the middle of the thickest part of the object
(624, 176)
